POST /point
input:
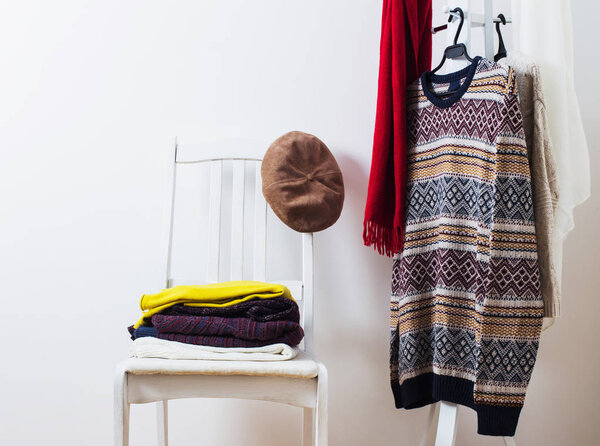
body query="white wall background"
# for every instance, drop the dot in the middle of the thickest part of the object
(92, 94)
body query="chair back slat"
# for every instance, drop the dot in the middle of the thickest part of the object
(169, 215)
(307, 292)
(237, 220)
(214, 221)
(302, 290)
(260, 230)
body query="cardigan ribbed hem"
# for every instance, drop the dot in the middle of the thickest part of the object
(496, 420)
(430, 388)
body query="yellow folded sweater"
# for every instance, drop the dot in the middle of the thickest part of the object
(223, 294)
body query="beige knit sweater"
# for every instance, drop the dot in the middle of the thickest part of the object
(543, 173)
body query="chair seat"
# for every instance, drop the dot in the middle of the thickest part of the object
(302, 366)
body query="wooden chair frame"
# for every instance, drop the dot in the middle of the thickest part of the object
(159, 380)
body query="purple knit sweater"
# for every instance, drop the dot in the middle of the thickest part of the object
(226, 332)
(261, 310)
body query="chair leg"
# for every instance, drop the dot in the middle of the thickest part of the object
(509, 441)
(121, 410)
(321, 410)
(162, 422)
(308, 427)
(432, 423)
(446, 430)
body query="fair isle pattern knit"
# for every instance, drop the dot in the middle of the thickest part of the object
(466, 309)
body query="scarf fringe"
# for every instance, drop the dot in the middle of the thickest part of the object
(385, 240)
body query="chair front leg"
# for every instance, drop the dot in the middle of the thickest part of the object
(308, 427)
(162, 422)
(121, 410)
(321, 410)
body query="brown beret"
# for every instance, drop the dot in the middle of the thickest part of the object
(302, 182)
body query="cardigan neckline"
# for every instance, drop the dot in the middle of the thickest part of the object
(428, 78)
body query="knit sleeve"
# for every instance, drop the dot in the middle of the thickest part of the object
(512, 311)
(545, 194)
(543, 130)
(545, 200)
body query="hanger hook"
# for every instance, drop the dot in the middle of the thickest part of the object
(503, 21)
(501, 48)
(460, 25)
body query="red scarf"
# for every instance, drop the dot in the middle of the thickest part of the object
(405, 52)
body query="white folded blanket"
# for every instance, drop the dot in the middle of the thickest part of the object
(149, 347)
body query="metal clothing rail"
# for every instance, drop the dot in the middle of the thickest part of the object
(441, 429)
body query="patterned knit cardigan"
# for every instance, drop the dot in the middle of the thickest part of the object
(466, 309)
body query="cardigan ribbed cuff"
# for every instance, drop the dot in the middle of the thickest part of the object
(552, 309)
(431, 388)
(497, 420)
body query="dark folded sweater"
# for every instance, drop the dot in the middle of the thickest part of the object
(262, 310)
(221, 332)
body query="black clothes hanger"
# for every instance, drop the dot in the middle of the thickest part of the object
(501, 48)
(457, 49)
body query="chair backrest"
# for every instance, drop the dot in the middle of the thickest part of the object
(215, 155)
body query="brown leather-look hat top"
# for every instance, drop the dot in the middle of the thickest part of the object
(302, 182)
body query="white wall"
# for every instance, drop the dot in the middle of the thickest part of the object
(92, 93)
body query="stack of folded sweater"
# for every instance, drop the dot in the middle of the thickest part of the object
(248, 316)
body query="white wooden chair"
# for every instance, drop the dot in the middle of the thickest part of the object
(300, 382)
